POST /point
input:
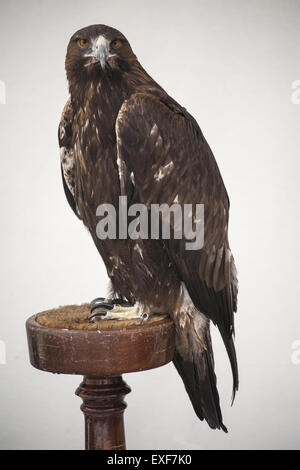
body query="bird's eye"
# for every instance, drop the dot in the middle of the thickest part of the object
(115, 44)
(83, 42)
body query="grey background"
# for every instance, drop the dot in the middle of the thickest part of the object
(231, 64)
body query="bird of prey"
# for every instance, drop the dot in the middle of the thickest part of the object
(121, 134)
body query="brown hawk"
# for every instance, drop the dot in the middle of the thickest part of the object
(122, 134)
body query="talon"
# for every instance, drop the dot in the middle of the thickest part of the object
(96, 301)
(114, 309)
(105, 305)
(100, 313)
(144, 317)
(100, 302)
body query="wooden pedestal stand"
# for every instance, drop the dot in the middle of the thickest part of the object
(101, 356)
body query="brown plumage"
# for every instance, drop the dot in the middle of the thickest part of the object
(121, 133)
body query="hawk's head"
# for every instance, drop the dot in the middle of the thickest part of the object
(96, 49)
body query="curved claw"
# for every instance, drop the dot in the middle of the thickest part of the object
(106, 305)
(144, 317)
(96, 301)
(100, 313)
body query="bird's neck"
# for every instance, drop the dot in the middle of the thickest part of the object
(109, 90)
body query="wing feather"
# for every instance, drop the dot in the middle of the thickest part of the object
(67, 155)
(164, 147)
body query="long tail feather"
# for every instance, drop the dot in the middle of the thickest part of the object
(230, 348)
(196, 368)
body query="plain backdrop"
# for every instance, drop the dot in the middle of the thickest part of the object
(232, 64)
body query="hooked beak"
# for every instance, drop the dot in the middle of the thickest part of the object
(101, 51)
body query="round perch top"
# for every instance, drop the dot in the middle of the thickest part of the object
(63, 341)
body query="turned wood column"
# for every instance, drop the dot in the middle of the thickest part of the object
(103, 407)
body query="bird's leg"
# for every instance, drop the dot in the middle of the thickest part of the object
(116, 309)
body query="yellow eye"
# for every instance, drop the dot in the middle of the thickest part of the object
(84, 42)
(115, 44)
